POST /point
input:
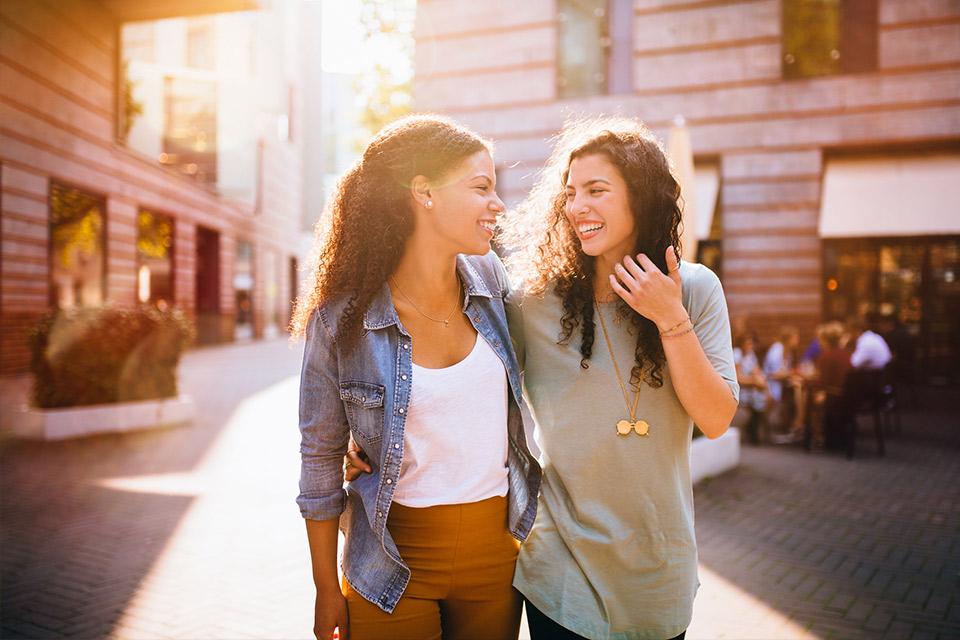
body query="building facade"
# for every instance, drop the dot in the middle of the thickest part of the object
(150, 156)
(826, 136)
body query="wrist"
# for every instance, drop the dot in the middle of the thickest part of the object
(328, 587)
(673, 321)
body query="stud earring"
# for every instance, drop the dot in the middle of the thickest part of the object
(429, 204)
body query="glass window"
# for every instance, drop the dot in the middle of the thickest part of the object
(911, 284)
(583, 44)
(200, 44)
(190, 134)
(154, 258)
(77, 258)
(827, 37)
(243, 290)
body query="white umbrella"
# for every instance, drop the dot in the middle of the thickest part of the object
(681, 160)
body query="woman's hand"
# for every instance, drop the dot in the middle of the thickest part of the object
(649, 292)
(330, 616)
(355, 462)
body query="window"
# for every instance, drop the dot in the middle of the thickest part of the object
(913, 285)
(706, 177)
(243, 290)
(190, 132)
(583, 43)
(828, 37)
(200, 44)
(77, 259)
(154, 258)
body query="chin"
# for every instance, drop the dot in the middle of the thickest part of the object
(592, 250)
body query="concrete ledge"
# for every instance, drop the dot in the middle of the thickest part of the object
(73, 422)
(713, 457)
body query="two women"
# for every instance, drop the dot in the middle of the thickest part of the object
(612, 552)
(407, 351)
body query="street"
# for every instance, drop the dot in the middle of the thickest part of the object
(193, 532)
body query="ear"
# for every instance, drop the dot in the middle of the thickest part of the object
(420, 190)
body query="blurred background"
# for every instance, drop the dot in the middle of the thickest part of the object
(175, 155)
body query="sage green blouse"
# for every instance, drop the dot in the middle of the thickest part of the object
(612, 553)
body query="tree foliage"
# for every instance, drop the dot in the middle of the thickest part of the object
(386, 88)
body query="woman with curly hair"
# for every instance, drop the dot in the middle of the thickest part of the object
(612, 552)
(408, 352)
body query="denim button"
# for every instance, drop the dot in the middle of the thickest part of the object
(476, 318)
(400, 410)
(389, 481)
(396, 446)
(403, 376)
(406, 346)
(379, 514)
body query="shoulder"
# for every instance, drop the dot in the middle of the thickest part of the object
(697, 277)
(487, 270)
(324, 320)
(701, 286)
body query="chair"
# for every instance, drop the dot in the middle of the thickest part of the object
(863, 392)
(889, 397)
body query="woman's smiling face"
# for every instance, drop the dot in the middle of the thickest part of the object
(466, 205)
(598, 208)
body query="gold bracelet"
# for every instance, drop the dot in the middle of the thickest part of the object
(687, 319)
(677, 335)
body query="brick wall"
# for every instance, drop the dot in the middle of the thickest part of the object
(717, 63)
(58, 62)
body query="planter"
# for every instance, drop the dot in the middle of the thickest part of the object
(713, 457)
(72, 422)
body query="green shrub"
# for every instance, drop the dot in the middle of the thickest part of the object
(107, 354)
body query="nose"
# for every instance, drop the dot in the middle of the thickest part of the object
(576, 206)
(497, 205)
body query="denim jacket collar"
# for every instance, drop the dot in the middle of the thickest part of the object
(382, 313)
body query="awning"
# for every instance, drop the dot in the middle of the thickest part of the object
(707, 178)
(891, 196)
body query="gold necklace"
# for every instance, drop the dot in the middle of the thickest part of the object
(624, 427)
(444, 321)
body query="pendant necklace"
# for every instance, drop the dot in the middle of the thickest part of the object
(624, 427)
(444, 321)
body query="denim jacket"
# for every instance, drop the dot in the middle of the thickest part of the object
(366, 392)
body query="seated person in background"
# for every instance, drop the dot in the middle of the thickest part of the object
(779, 366)
(871, 352)
(813, 351)
(753, 384)
(833, 365)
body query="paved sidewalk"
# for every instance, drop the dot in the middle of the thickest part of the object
(796, 544)
(193, 532)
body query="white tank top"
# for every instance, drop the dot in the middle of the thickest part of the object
(455, 439)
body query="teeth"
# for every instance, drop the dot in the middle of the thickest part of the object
(587, 228)
(489, 226)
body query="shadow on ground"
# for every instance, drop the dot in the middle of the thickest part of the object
(74, 552)
(862, 548)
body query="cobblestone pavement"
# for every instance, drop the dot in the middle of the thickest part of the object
(796, 544)
(193, 533)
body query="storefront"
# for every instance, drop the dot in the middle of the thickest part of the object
(891, 246)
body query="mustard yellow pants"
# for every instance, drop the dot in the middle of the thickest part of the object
(461, 559)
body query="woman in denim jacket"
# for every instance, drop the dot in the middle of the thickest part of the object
(408, 352)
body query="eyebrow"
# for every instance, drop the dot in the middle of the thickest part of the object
(591, 182)
(482, 176)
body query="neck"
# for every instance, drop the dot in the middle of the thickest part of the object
(603, 267)
(428, 274)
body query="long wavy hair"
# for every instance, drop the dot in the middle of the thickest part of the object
(361, 236)
(544, 252)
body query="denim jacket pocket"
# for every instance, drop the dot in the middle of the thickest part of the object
(364, 404)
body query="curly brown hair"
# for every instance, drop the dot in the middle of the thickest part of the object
(543, 248)
(361, 237)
